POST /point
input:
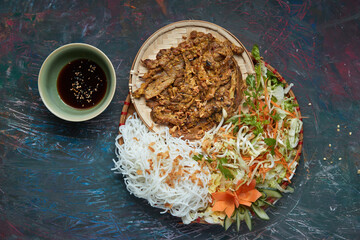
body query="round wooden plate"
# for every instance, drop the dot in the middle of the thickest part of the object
(170, 36)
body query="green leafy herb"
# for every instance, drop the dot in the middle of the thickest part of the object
(251, 81)
(274, 81)
(226, 172)
(253, 121)
(271, 142)
(233, 120)
(236, 129)
(271, 76)
(199, 157)
(289, 105)
(258, 73)
(276, 117)
(256, 53)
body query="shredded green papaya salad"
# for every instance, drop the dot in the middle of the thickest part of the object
(252, 155)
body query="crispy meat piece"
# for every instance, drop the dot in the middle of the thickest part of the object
(156, 87)
(188, 86)
(171, 71)
(150, 64)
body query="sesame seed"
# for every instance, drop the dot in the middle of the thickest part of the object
(309, 103)
(350, 133)
(324, 158)
(338, 126)
(340, 158)
(330, 145)
(358, 171)
(338, 130)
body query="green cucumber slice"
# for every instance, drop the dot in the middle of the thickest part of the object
(260, 212)
(267, 203)
(238, 220)
(248, 219)
(272, 193)
(227, 222)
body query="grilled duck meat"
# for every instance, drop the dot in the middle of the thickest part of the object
(188, 86)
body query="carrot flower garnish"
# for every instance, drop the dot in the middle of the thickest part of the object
(227, 201)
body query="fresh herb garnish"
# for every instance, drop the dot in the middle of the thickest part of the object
(289, 105)
(256, 53)
(199, 157)
(252, 120)
(251, 81)
(253, 95)
(273, 80)
(234, 120)
(236, 129)
(276, 117)
(226, 172)
(271, 142)
(258, 74)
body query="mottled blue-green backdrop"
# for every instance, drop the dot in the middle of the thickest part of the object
(55, 178)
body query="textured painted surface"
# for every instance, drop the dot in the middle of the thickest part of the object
(55, 178)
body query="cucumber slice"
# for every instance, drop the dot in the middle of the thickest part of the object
(267, 188)
(272, 193)
(248, 219)
(238, 220)
(260, 203)
(267, 203)
(260, 212)
(242, 212)
(227, 222)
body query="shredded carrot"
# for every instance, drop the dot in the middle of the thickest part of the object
(276, 105)
(296, 155)
(261, 105)
(288, 178)
(229, 136)
(246, 158)
(276, 128)
(283, 162)
(263, 171)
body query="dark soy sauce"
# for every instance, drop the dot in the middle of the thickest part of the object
(82, 83)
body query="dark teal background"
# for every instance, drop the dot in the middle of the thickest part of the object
(55, 178)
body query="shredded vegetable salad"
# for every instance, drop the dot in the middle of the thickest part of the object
(257, 147)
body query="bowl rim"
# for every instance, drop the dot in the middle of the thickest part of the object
(90, 114)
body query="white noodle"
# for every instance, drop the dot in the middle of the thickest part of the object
(185, 197)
